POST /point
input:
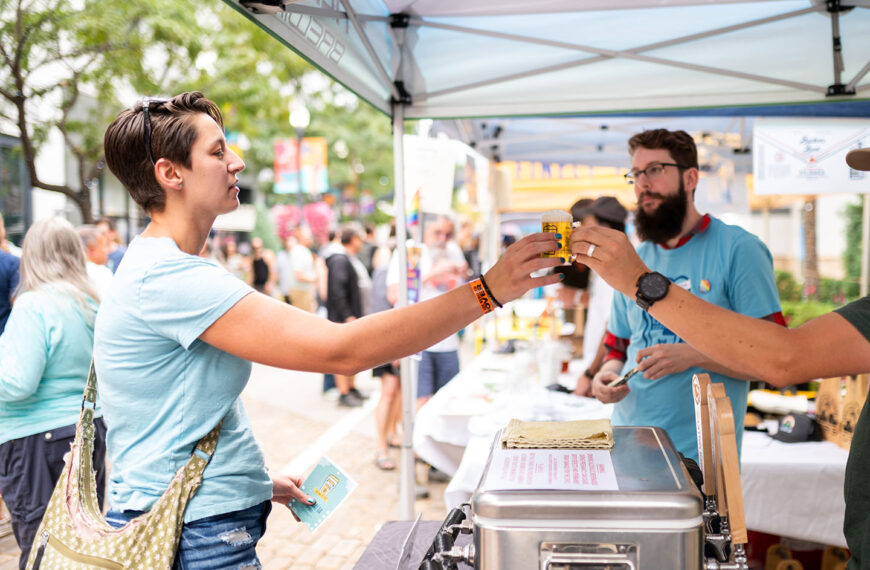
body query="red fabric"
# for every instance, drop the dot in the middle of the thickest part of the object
(777, 318)
(702, 225)
(616, 347)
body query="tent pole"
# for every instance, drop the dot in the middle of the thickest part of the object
(858, 77)
(865, 244)
(406, 472)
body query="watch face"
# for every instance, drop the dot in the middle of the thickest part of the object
(654, 286)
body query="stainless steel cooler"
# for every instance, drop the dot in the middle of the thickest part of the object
(653, 522)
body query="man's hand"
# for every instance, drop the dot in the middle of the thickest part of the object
(286, 487)
(613, 256)
(584, 386)
(605, 393)
(663, 359)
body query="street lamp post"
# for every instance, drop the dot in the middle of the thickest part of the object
(299, 119)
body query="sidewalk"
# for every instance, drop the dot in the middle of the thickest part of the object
(288, 414)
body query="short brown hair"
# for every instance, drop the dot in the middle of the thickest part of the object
(350, 231)
(679, 144)
(172, 135)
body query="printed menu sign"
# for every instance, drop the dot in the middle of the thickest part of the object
(551, 469)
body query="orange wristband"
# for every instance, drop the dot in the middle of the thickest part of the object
(486, 304)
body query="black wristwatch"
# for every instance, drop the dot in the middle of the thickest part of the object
(651, 287)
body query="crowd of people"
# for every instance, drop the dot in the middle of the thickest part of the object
(183, 312)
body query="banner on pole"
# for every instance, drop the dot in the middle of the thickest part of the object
(314, 176)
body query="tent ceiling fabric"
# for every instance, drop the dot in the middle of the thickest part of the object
(598, 141)
(464, 58)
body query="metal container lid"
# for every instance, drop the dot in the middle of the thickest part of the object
(653, 486)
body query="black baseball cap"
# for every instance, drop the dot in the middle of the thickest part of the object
(794, 428)
(605, 208)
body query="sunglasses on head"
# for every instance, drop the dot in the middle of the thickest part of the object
(147, 102)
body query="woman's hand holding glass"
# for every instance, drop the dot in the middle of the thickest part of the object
(511, 276)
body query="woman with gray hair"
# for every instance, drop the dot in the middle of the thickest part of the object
(45, 353)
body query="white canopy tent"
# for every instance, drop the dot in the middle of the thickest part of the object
(495, 58)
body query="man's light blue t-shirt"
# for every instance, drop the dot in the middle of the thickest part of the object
(724, 265)
(45, 355)
(162, 389)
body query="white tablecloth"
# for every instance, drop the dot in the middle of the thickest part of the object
(794, 489)
(789, 489)
(483, 397)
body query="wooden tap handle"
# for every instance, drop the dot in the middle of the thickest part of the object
(723, 417)
(702, 426)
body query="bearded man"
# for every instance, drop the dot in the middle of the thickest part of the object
(719, 263)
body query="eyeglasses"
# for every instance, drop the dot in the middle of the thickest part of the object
(653, 171)
(146, 110)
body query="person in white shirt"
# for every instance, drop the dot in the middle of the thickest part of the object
(301, 285)
(97, 252)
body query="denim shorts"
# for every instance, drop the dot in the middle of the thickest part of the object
(436, 370)
(222, 541)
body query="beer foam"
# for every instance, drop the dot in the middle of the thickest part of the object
(557, 216)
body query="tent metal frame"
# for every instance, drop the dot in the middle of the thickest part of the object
(834, 8)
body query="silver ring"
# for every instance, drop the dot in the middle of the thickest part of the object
(590, 250)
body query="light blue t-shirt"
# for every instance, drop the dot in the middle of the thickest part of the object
(162, 389)
(724, 265)
(45, 355)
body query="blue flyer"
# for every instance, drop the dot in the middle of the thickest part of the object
(329, 486)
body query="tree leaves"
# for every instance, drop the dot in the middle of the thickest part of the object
(73, 65)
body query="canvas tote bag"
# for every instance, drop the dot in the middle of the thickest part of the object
(74, 535)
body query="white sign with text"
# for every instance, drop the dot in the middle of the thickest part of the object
(807, 156)
(551, 469)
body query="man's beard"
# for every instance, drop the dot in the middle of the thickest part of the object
(666, 222)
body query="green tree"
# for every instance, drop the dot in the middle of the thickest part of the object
(52, 51)
(852, 254)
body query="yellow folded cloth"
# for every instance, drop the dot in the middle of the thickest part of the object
(579, 434)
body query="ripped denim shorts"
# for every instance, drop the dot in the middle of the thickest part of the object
(222, 541)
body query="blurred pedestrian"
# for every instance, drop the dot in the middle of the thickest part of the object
(116, 250)
(331, 247)
(284, 267)
(97, 253)
(469, 241)
(45, 352)
(8, 281)
(234, 261)
(348, 285)
(442, 268)
(302, 281)
(389, 408)
(262, 276)
(367, 252)
(5, 244)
